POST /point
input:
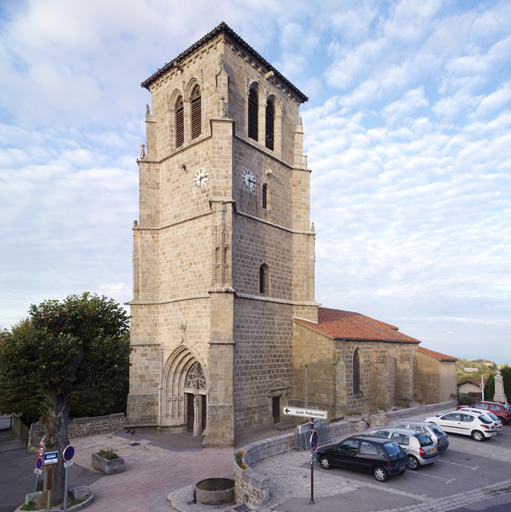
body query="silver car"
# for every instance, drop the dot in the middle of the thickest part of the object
(419, 447)
(440, 438)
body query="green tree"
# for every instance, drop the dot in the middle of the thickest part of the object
(76, 350)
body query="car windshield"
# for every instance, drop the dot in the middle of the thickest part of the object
(424, 439)
(437, 431)
(392, 448)
(484, 419)
(492, 416)
(506, 408)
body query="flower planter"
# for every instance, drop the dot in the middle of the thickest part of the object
(107, 466)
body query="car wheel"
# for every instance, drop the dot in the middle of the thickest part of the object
(414, 463)
(477, 435)
(380, 474)
(325, 463)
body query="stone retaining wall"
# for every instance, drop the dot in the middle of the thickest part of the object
(82, 427)
(254, 488)
(392, 417)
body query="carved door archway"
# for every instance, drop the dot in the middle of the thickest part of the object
(183, 394)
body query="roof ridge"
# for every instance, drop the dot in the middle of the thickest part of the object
(225, 29)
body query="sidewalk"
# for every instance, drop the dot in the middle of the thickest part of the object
(161, 470)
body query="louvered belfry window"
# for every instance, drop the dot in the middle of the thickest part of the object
(196, 112)
(253, 108)
(180, 122)
(270, 123)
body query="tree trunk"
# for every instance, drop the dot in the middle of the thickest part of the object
(56, 439)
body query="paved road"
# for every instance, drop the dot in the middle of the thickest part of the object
(470, 477)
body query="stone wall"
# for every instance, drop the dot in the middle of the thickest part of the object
(254, 488)
(82, 427)
(435, 380)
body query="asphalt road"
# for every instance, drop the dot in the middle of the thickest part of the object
(17, 477)
(464, 466)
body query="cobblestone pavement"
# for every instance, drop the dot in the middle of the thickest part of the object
(290, 489)
(152, 471)
(161, 469)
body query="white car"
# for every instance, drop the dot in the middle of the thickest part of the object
(491, 416)
(477, 425)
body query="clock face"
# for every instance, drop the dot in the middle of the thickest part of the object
(248, 179)
(201, 178)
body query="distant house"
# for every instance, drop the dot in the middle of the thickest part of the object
(435, 376)
(470, 370)
(471, 387)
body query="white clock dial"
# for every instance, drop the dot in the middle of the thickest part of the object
(248, 179)
(201, 178)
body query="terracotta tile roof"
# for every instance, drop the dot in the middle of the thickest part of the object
(476, 382)
(351, 326)
(436, 355)
(225, 29)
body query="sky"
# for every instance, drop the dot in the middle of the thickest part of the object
(407, 133)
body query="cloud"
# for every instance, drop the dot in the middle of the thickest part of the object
(406, 130)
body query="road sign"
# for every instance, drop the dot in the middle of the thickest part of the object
(51, 457)
(68, 452)
(38, 471)
(41, 451)
(68, 463)
(307, 413)
(39, 463)
(314, 441)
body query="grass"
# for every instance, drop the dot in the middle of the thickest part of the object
(75, 502)
(29, 506)
(108, 454)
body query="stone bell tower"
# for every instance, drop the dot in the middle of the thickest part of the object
(223, 254)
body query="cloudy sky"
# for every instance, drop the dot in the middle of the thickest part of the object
(407, 131)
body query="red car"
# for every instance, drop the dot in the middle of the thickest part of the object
(500, 410)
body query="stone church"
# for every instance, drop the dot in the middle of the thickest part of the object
(224, 318)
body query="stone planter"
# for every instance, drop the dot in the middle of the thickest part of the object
(107, 466)
(214, 491)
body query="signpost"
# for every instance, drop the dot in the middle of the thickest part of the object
(38, 470)
(67, 455)
(307, 413)
(311, 413)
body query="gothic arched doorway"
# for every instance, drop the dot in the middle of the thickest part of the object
(183, 402)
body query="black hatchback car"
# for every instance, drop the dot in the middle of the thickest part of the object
(381, 457)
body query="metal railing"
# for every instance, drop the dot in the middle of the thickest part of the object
(303, 435)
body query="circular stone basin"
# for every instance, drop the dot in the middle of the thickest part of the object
(214, 491)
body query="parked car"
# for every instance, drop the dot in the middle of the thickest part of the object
(420, 448)
(478, 426)
(500, 410)
(436, 433)
(496, 421)
(380, 457)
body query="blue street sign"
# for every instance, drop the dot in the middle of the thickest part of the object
(314, 441)
(51, 457)
(68, 453)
